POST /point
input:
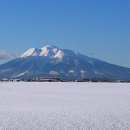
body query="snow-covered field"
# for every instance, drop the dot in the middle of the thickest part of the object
(64, 106)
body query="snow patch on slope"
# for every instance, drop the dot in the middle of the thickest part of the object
(59, 54)
(54, 73)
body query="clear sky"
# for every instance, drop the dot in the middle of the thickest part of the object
(97, 28)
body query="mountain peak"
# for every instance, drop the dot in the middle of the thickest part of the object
(47, 50)
(31, 52)
(49, 46)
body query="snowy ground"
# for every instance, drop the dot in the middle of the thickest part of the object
(64, 106)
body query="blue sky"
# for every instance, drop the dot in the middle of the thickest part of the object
(97, 28)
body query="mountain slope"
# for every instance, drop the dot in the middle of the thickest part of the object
(51, 61)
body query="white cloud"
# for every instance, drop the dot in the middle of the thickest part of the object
(6, 56)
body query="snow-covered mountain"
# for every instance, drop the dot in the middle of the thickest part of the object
(50, 61)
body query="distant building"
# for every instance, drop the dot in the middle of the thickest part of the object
(5, 79)
(15, 80)
(47, 80)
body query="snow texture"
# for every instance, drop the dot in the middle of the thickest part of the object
(64, 106)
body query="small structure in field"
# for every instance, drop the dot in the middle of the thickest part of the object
(47, 80)
(4, 79)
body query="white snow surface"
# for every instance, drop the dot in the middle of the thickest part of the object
(64, 106)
